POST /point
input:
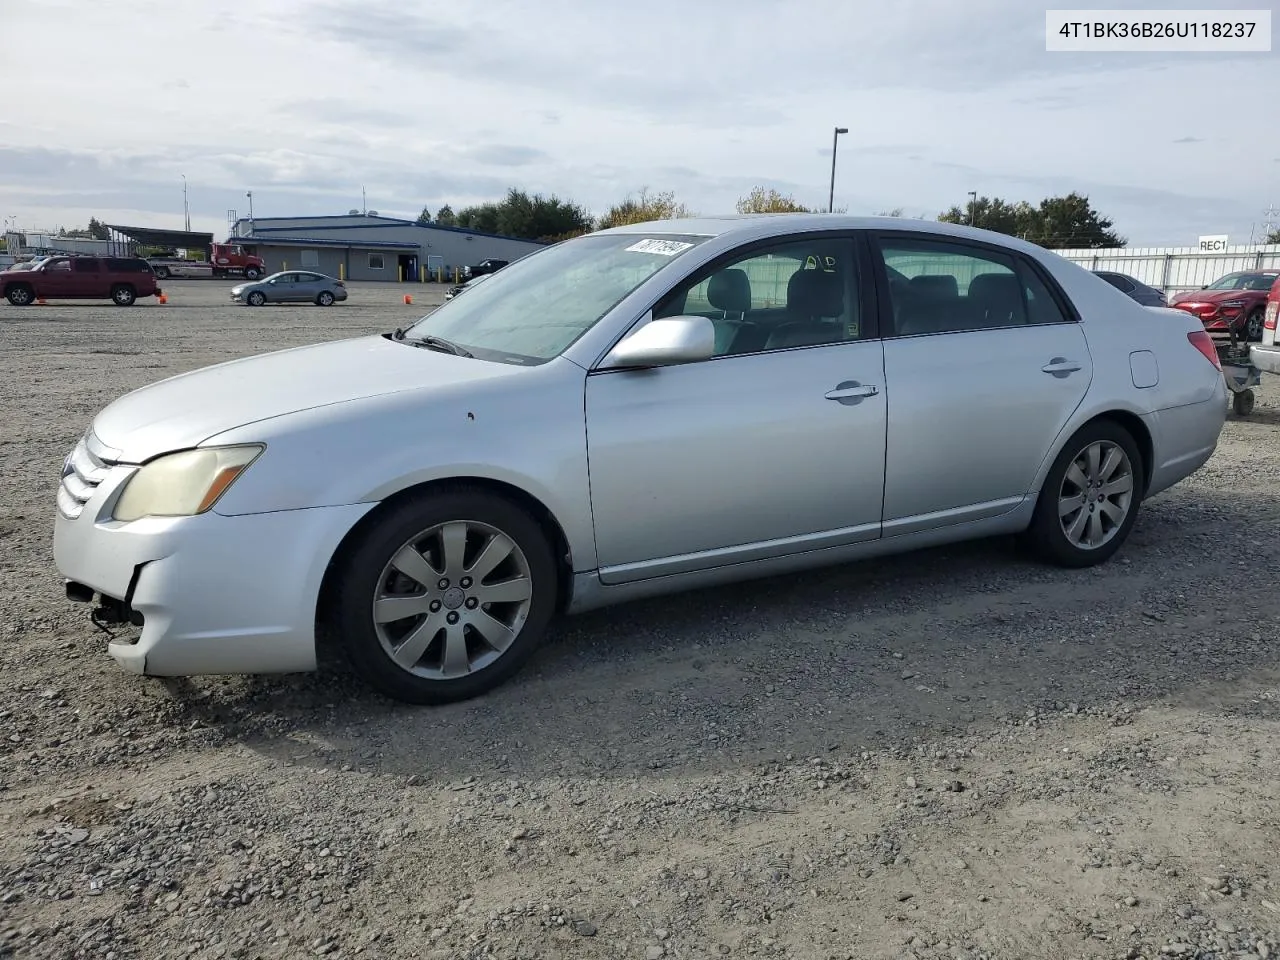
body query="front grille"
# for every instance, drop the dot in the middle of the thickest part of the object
(81, 474)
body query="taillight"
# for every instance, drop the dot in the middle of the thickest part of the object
(1204, 343)
(1273, 310)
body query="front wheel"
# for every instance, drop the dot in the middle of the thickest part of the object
(256, 299)
(20, 295)
(1090, 498)
(446, 596)
(325, 299)
(1253, 326)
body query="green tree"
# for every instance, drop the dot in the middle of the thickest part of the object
(524, 215)
(769, 200)
(445, 217)
(424, 218)
(642, 209)
(1273, 237)
(1061, 222)
(98, 229)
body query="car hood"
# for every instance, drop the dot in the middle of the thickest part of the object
(185, 410)
(1213, 296)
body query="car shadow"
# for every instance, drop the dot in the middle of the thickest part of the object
(846, 658)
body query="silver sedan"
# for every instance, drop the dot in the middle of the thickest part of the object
(652, 408)
(291, 286)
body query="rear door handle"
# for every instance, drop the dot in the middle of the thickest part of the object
(1061, 367)
(851, 392)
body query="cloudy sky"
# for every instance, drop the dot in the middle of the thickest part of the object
(305, 102)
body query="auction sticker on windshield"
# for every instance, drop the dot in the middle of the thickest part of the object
(665, 248)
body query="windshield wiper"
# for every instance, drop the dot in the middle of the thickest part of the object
(441, 344)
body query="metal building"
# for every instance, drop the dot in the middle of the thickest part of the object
(372, 247)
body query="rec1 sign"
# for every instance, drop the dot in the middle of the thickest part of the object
(1213, 244)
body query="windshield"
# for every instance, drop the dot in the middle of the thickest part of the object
(534, 308)
(1244, 281)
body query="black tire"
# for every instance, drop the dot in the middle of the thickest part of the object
(1242, 402)
(325, 299)
(360, 577)
(162, 273)
(1253, 326)
(256, 299)
(20, 295)
(123, 295)
(252, 273)
(1046, 537)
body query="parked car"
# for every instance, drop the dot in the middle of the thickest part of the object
(291, 286)
(1266, 354)
(1134, 288)
(1234, 302)
(483, 267)
(122, 280)
(460, 287)
(640, 410)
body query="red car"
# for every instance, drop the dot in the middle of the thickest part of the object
(1237, 302)
(122, 280)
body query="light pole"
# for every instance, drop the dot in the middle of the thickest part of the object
(973, 206)
(249, 194)
(835, 138)
(186, 209)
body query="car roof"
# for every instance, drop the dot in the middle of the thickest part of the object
(747, 226)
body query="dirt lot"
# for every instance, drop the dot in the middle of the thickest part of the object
(951, 754)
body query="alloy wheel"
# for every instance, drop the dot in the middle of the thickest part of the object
(452, 600)
(1096, 495)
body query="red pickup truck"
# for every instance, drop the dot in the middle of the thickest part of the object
(122, 280)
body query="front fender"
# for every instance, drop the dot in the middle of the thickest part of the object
(364, 451)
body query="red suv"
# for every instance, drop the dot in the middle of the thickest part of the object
(122, 280)
(1237, 302)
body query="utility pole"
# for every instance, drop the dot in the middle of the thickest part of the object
(973, 207)
(364, 201)
(835, 139)
(249, 194)
(186, 207)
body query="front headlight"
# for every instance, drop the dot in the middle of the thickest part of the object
(183, 484)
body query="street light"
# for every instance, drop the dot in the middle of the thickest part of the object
(973, 206)
(186, 209)
(835, 137)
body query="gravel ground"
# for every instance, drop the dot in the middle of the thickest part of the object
(955, 754)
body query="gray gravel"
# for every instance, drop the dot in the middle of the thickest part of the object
(955, 754)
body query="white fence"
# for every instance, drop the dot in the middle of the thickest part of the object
(1173, 269)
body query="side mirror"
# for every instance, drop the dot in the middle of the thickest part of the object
(665, 342)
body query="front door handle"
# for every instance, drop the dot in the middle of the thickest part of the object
(1061, 367)
(850, 392)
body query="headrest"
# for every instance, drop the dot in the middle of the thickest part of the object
(730, 290)
(815, 293)
(999, 294)
(935, 285)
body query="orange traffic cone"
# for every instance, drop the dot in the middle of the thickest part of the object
(408, 299)
(162, 298)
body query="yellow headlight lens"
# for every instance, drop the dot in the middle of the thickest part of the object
(183, 484)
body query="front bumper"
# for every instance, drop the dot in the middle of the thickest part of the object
(1266, 359)
(215, 594)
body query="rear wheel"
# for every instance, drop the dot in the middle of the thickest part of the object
(1090, 498)
(162, 273)
(252, 273)
(325, 299)
(256, 298)
(20, 295)
(123, 295)
(446, 596)
(1242, 402)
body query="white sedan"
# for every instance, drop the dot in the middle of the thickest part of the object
(651, 408)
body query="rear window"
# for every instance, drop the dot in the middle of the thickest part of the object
(128, 265)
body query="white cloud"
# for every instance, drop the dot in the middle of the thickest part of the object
(306, 102)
